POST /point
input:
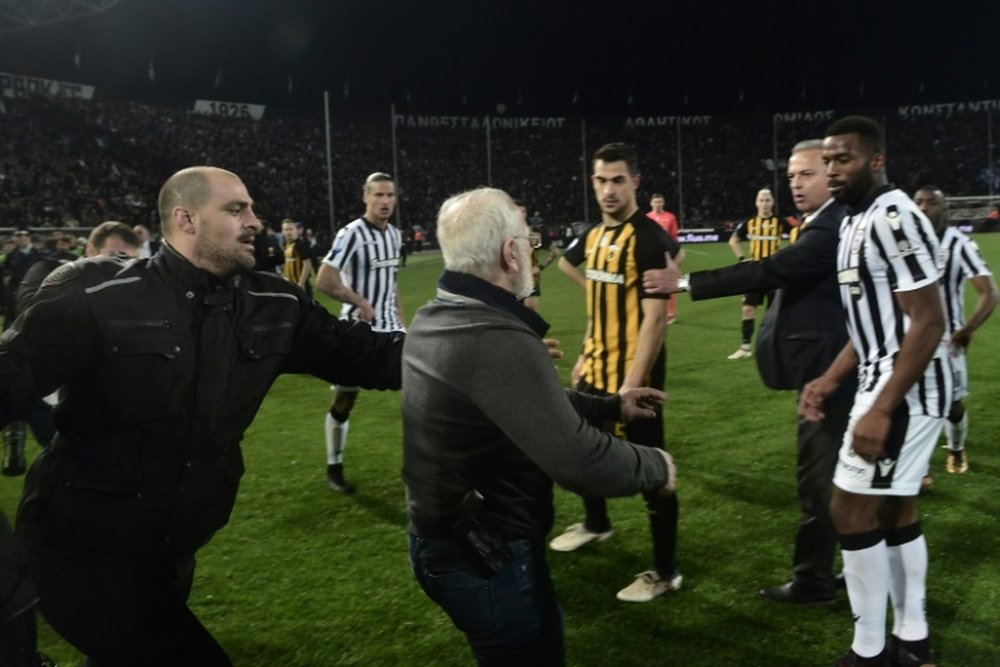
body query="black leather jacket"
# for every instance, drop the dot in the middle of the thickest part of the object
(163, 367)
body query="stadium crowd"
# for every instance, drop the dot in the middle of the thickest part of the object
(71, 163)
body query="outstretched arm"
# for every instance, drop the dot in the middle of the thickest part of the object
(329, 282)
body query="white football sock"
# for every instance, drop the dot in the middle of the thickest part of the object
(336, 439)
(866, 572)
(907, 589)
(955, 433)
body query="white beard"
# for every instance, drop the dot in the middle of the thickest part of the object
(525, 283)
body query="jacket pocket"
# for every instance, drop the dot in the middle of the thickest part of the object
(142, 359)
(144, 337)
(261, 340)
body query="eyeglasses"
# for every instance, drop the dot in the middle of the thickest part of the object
(534, 243)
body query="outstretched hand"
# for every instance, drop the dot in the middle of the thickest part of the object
(553, 345)
(662, 281)
(640, 402)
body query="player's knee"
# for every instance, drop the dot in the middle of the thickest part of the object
(957, 412)
(852, 513)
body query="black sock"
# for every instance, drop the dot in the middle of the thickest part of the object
(747, 331)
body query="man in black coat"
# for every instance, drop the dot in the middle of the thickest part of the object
(162, 364)
(803, 331)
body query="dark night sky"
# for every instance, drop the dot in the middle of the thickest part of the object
(668, 57)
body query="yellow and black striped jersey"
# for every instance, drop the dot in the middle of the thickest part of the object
(295, 253)
(793, 233)
(764, 235)
(615, 258)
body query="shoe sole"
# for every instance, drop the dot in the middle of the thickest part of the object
(675, 586)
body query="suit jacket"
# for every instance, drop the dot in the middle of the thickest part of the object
(809, 326)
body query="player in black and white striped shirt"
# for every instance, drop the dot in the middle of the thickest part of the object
(887, 263)
(962, 261)
(360, 271)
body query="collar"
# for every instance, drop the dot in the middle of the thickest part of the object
(481, 290)
(872, 196)
(815, 214)
(187, 274)
(631, 220)
(374, 226)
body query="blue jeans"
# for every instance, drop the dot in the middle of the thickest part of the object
(511, 618)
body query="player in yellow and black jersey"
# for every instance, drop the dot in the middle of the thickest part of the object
(298, 256)
(763, 231)
(623, 346)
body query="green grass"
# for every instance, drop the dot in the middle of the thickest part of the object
(306, 577)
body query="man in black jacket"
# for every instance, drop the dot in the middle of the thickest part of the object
(803, 331)
(163, 363)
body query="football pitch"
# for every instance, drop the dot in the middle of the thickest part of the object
(306, 577)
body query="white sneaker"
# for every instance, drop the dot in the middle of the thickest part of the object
(742, 353)
(648, 585)
(575, 537)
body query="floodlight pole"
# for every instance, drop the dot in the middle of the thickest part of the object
(989, 149)
(489, 154)
(583, 162)
(395, 164)
(329, 162)
(680, 178)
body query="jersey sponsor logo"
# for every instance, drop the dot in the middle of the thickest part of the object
(385, 263)
(852, 469)
(605, 277)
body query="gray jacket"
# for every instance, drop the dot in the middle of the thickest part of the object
(484, 411)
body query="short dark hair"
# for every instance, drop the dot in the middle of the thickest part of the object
(931, 188)
(619, 152)
(868, 129)
(100, 234)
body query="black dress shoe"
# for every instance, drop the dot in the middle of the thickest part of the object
(852, 659)
(795, 595)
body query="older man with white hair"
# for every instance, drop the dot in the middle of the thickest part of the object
(487, 427)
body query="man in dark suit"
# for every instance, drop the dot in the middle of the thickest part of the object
(803, 331)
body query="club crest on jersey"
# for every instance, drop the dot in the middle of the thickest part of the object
(892, 217)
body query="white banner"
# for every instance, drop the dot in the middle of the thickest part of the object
(948, 109)
(14, 85)
(481, 122)
(230, 109)
(665, 121)
(825, 115)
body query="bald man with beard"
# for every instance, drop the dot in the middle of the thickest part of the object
(163, 363)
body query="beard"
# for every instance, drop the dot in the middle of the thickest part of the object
(525, 284)
(227, 261)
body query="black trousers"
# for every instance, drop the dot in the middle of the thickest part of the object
(816, 539)
(124, 610)
(663, 511)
